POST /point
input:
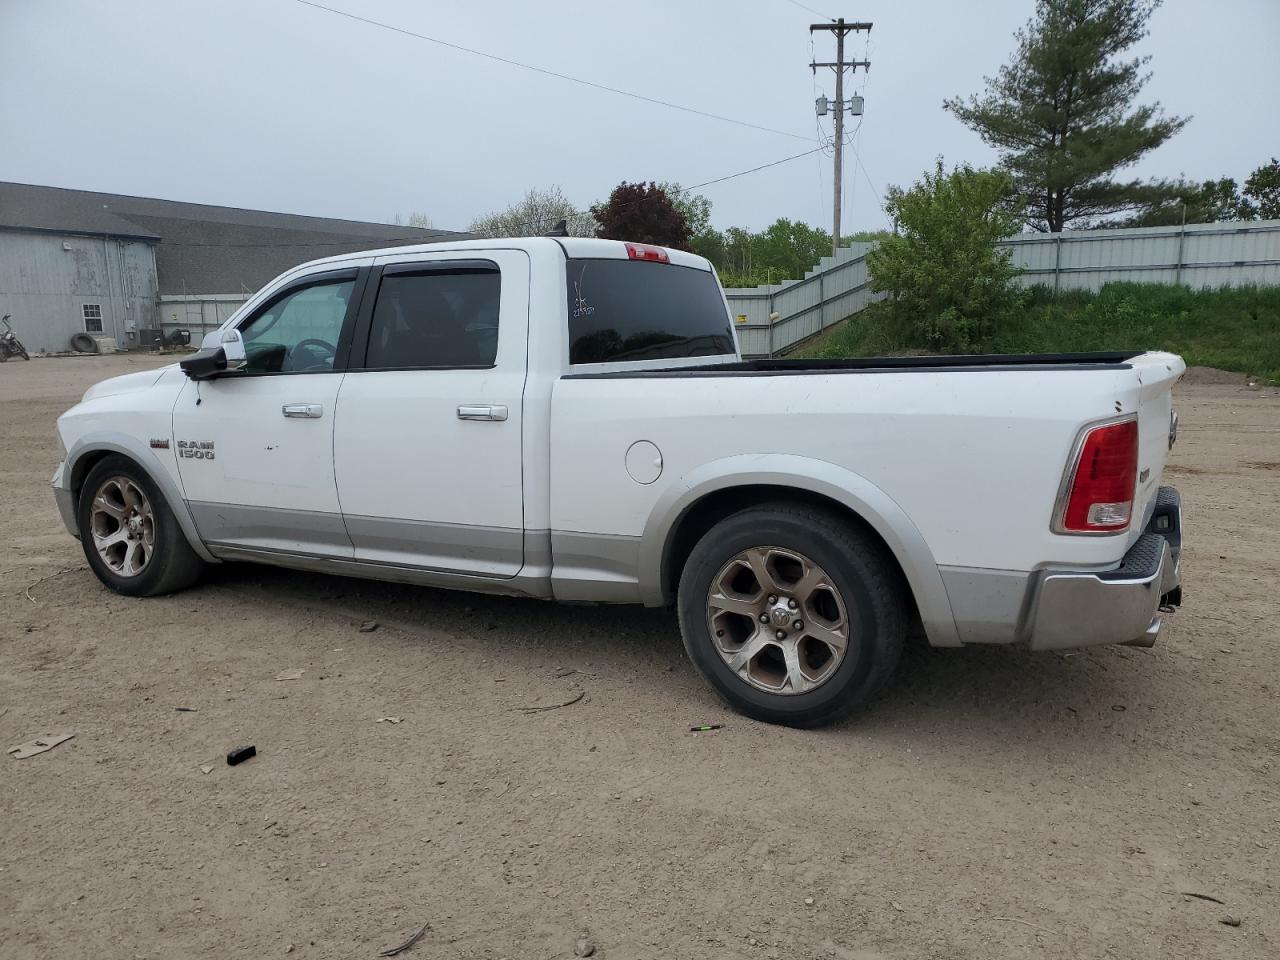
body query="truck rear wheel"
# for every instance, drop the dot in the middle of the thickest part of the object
(130, 536)
(792, 614)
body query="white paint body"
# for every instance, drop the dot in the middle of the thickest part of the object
(574, 495)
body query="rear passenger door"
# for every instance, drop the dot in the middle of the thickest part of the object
(427, 440)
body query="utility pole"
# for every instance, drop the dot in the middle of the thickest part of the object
(841, 30)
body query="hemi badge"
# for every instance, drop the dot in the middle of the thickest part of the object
(1142, 477)
(159, 444)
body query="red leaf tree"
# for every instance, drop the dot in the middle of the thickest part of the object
(642, 213)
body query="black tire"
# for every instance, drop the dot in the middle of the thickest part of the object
(83, 343)
(171, 566)
(856, 563)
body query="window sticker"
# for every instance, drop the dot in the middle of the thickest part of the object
(580, 306)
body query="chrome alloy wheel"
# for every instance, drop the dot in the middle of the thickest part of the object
(778, 620)
(123, 526)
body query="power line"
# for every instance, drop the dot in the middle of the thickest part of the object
(683, 190)
(817, 121)
(546, 72)
(537, 224)
(743, 173)
(816, 13)
(855, 142)
(870, 184)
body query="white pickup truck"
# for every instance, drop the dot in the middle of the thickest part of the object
(570, 419)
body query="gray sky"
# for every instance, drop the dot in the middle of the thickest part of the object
(274, 105)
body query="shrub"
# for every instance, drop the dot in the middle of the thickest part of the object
(947, 281)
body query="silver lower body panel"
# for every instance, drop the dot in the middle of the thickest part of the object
(65, 498)
(537, 585)
(1055, 609)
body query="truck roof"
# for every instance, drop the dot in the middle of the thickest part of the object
(573, 247)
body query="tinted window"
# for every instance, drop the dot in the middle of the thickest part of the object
(637, 310)
(299, 332)
(435, 319)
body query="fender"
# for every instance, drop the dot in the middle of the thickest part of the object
(853, 491)
(141, 454)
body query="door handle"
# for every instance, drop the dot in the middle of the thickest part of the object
(305, 411)
(482, 411)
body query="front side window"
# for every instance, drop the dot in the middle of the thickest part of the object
(637, 310)
(437, 318)
(299, 332)
(92, 313)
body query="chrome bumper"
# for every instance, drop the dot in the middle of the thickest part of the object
(65, 499)
(1078, 609)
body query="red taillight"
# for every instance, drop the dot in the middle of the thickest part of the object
(643, 251)
(1101, 496)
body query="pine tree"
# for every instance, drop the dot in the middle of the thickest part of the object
(1062, 114)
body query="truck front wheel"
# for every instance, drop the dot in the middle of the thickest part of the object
(130, 536)
(793, 614)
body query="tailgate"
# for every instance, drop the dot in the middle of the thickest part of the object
(1157, 373)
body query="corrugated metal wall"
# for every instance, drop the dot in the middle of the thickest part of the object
(1198, 255)
(46, 279)
(199, 314)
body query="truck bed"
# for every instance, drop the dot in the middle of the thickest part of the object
(1114, 360)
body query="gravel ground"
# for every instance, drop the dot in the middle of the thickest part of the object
(996, 803)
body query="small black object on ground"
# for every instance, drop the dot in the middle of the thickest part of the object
(392, 951)
(1203, 896)
(241, 754)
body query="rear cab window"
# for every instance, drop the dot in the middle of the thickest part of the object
(628, 310)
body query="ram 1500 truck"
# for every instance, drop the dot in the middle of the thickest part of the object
(570, 419)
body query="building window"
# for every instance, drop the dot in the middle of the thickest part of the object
(92, 317)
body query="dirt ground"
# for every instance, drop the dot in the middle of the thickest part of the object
(996, 803)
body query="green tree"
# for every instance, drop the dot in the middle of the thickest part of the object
(1212, 201)
(948, 283)
(789, 248)
(642, 213)
(737, 244)
(695, 207)
(1061, 112)
(865, 236)
(784, 250)
(710, 243)
(1262, 191)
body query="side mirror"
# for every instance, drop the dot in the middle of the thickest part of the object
(220, 352)
(233, 346)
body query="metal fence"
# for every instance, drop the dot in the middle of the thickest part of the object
(199, 314)
(1197, 255)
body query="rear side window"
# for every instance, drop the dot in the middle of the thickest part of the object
(436, 318)
(636, 310)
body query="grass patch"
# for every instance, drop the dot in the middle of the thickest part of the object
(1231, 328)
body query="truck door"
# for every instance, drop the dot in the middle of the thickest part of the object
(427, 443)
(255, 447)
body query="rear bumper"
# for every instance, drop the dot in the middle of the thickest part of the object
(1124, 605)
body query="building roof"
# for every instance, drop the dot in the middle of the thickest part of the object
(200, 248)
